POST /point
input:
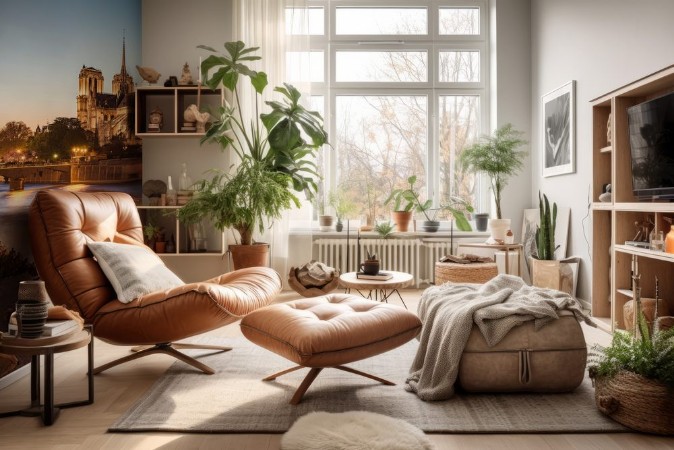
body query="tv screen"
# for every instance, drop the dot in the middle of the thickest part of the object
(651, 133)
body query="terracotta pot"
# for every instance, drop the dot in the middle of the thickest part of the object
(402, 219)
(325, 222)
(160, 247)
(250, 255)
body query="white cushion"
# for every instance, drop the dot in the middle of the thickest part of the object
(133, 270)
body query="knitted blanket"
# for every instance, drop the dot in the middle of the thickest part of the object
(449, 311)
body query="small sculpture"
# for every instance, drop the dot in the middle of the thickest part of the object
(608, 130)
(186, 77)
(156, 121)
(192, 114)
(148, 74)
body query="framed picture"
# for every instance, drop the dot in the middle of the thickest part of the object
(559, 130)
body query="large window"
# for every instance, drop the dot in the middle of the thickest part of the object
(404, 91)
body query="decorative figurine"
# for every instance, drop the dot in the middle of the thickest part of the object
(186, 77)
(148, 74)
(156, 121)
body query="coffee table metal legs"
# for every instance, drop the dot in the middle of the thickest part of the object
(380, 295)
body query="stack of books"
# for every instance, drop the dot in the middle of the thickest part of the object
(51, 327)
(382, 276)
(190, 127)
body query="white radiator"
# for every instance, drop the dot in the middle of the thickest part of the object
(401, 255)
(432, 251)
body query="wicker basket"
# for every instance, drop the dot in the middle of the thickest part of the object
(464, 273)
(636, 402)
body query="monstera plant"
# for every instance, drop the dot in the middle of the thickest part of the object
(276, 149)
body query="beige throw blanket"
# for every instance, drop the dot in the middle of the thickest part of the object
(449, 311)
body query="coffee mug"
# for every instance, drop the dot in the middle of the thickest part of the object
(370, 267)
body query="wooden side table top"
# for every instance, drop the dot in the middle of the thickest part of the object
(398, 281)
(19, 346)
(492, 246)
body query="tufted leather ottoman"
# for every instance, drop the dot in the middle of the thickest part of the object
(329, 331)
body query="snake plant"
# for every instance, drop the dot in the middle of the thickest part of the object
(545, 233)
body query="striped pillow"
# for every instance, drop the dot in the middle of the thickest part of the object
(133, 270)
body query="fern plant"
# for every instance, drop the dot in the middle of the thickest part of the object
(649, 356)
(384, 229)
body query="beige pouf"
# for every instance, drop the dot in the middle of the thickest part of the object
(464, 273)
(329, 331)
(551, 359)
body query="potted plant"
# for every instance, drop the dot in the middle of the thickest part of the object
(276, 150)
(498, 157)
(325, 221)
(634, 377)
(151, 233)
(384, 229)
(413, 202)
(403, 204)
(342, 205)
(546, 270)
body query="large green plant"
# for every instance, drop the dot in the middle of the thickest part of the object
(243, 200)
(284, 139)
(412, 201)
(276, 149)
(497, 156)
(545, 233)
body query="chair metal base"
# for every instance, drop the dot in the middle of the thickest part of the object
(168, 348)
(313, 373)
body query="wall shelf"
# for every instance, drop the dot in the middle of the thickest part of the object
(172, 102)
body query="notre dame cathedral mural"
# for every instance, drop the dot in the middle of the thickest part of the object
(75, 131)
(107, 115)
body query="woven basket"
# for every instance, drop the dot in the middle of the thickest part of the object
(464, 273)
(636, 402)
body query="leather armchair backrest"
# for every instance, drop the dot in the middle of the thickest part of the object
(61, 223)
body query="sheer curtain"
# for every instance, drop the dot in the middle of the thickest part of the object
(261, 23)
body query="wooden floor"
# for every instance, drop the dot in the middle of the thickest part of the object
(118, 388)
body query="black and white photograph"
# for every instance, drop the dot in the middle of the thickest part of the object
(558, 108)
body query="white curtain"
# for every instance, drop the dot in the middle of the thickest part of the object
(261, 23)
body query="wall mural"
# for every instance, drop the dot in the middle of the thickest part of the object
(66, 119)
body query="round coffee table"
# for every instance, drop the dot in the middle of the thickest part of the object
(382, 289)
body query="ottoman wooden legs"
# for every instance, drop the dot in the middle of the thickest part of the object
(313, 373)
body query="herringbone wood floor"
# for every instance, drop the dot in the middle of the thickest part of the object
(85, 427)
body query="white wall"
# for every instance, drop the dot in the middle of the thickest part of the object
(171, 31)
(510, 94)
(602, 44)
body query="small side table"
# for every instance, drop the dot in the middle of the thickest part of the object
(382, 289)
(504, 247)
(49, 411)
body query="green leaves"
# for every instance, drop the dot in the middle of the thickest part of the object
(648, 356)
(496, 156)
(545, 232)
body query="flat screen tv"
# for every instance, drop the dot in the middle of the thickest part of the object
(651, 133)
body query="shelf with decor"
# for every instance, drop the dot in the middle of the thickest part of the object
(172, 102)
(637, 205)
(189, 240)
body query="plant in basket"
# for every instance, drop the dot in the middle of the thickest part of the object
(634, 378)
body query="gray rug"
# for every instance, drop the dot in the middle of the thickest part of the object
(235, 400)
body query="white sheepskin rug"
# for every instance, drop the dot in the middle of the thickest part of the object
(353, 430)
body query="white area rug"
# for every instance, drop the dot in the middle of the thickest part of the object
(235, 400)
(353, 430)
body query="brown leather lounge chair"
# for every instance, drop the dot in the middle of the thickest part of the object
(62, 223)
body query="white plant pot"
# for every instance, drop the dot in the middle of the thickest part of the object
(498, 229)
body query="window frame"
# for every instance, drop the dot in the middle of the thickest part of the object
(433, 43)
